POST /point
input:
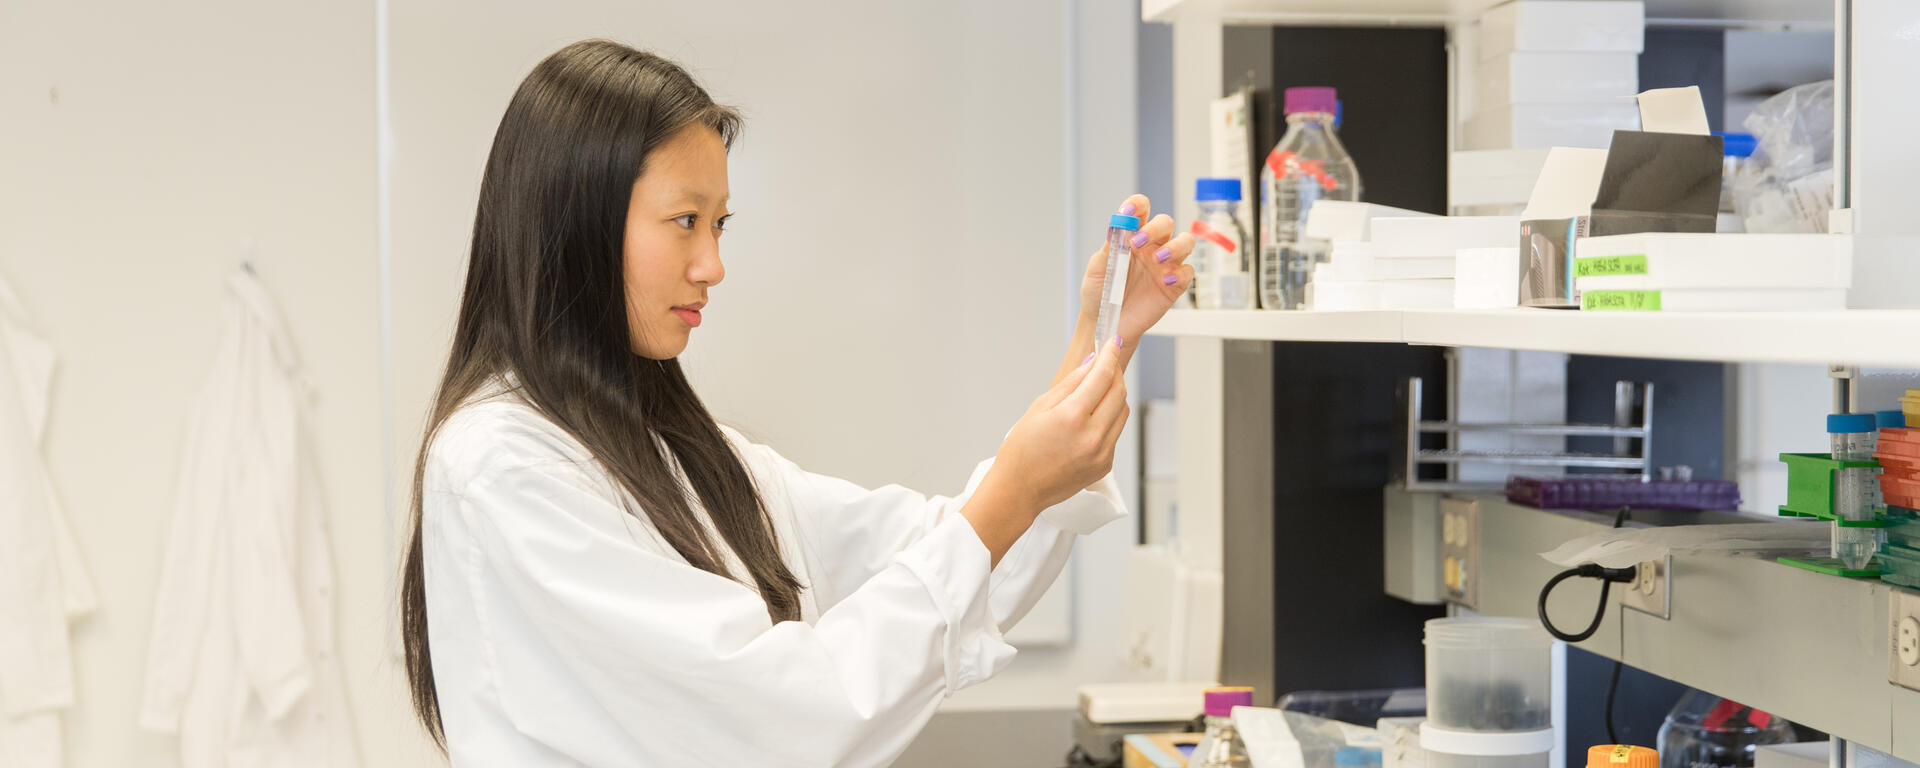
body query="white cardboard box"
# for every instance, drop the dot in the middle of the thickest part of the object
(1344, 296)
(1412, 269)
(1563, 25)
(1439, 237)
(1486, 278)
(1656, 260)
(1416, 294)
(1342, 220)
(1493, 176)
(1527, 126)
(1541, 77)
(1599, 298)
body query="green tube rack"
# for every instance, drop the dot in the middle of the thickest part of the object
(1811, 482)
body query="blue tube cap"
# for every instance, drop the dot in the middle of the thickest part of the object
(1353, 757)
(1216, 189)
(1849, 423)
(1123, 221)
(1737, 144)
(1890, 419)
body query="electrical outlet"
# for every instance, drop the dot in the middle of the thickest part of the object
(1459, 558)
(1903, 655)
(1649, 591)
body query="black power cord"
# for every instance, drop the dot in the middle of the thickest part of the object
(1607, 577)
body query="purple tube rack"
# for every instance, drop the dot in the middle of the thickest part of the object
(1603, 492)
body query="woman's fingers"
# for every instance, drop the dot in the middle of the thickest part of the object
(1137, 205)
(1153, 234)
(1092, 388)
(1111, 415)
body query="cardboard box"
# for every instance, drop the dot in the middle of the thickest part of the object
(1539, 77)
(1486, 278)
(1416, 294)
(1344, 296)
(1690, 260)
(1439, 237)
(1493, 177)
(1522, 126)
(1608, 298)
(1646, 181)
(1342, 220)
(1563, 25)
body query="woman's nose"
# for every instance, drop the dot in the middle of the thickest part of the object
(706, 268)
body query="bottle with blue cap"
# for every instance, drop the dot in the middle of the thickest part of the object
(1222, 265)
(1113, 286)
(1856, 489)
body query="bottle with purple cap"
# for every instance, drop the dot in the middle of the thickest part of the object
(1221, 747)
(1308, 165)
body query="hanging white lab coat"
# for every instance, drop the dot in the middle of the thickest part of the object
(565, 631)
(241, 663)
(43, 585)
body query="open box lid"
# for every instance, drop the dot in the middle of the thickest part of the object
(1668, 172)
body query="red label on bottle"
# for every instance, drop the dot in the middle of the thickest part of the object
(1278, 162)
(1200, 229)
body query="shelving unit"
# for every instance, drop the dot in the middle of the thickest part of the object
(1808, 647)
(1876, 337)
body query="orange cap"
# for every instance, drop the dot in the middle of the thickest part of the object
(1622, 756)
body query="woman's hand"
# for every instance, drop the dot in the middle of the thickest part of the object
(1063, 444)
(1158, 276)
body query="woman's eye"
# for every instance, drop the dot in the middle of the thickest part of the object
(721, 223)
(686, 222)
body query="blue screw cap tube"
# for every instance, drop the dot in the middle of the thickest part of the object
(1113, 286)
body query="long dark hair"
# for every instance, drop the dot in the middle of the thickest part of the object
(545, 301)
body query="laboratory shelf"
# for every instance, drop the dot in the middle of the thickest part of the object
(1532, 459)
(1438, 12)
(1282, 326)
(1877, 337)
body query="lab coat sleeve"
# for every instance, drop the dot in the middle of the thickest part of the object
(686, 662)
(855, 532)
(185, 589)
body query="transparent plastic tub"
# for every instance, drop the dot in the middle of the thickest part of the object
(1489, 675)
(1444, 760)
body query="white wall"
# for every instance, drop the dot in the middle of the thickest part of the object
(141, 145)
(897, 267)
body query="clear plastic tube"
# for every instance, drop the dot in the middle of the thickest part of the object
(1857, 490)
(1113, 286)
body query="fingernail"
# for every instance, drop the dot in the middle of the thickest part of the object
(1128, 209)
(1089, 357)
(1116, 341)
(1140, 239)
(1164, 254)
(1170, 279)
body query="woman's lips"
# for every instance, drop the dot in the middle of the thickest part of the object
(689, 316)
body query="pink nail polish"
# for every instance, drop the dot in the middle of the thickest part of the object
(1116, 342)
(1128, 209)
(1084, 361)
(1170, 279)
(1164, 254)
(1140, 239)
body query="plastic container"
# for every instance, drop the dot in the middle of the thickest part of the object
(1488, 674)
(1363, 708)
(1113, 287)
(1308, 165)
(1444, 760)
(1221, 747)
(1890, 419)
(1602, 492)
(1856, 493)
(1222, 268)
(1356, 757)
(1735, 149)
(1706, 731)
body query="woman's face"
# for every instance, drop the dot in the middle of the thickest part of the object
(672, 253)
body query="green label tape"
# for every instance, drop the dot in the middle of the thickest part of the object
(1622, 301)
(1605, 266)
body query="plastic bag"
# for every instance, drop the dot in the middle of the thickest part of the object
(1621, 547)
(1787, 185)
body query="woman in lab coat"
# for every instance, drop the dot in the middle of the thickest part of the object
(600, 574)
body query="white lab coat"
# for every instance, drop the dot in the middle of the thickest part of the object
(241, 662)
(43, 584)
(565, 631)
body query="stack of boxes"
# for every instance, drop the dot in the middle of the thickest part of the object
(1556, 73)
(1391, 258)
(1899, 457)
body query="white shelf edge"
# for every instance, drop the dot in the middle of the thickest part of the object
(1872, 337)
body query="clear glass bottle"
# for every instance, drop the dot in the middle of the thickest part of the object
(1308, 165)
(1855, 436)
(1706, 731)
(1221, 747)
(1222, 266)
